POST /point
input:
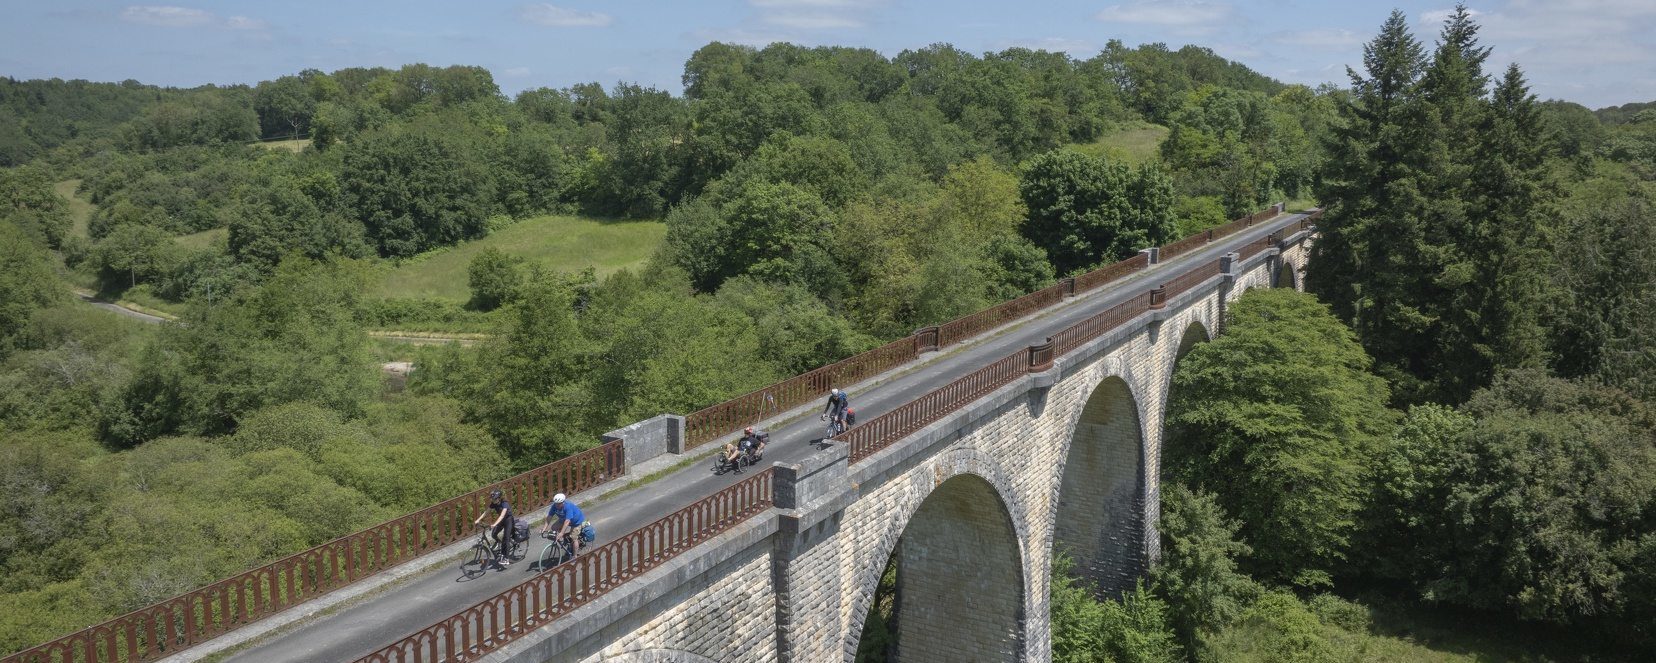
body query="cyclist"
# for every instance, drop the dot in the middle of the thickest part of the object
(838, 403)
(754, 442)
(501, 530)
(727, 461)
(570, 521)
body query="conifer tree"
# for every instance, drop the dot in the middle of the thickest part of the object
(1490, 321)
(1372, 238)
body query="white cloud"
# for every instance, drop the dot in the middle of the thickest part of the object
(1332, 39)
(245, 23)
(560, 17)
(167, 16)
(811, 21)
(1436, 16)
(745, 37)
(515, 72)
(1181, 14)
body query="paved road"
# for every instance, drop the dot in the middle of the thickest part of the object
(122, 310)
(424, 600)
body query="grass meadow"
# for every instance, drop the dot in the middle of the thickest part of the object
(561, 243)
(1132, 143)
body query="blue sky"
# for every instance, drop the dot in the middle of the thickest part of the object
(1596, 52)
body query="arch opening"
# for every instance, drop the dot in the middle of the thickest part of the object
(1194, 334)
(954, 586)
(1286, 276)
(1100, 515)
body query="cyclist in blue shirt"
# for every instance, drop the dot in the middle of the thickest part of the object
(569, 518)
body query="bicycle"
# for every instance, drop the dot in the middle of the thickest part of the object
(482, 554)
(836, 425)
(557, 551)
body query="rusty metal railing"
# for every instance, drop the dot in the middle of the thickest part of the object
(1178, 284)
(1217, 232)
(1080, 333)
(1110, 272)
(1257, 246)
(533, 604)
(875, 434)
(707, 424)
(181, 622)
(954, 331)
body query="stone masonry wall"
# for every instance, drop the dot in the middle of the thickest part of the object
(959, 586)
(726, 615)
(1099, 498)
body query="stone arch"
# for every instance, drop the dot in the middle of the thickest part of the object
(655, 656)
(1195, 333)
(962, 518)
(1286, 276)
(1100, 519)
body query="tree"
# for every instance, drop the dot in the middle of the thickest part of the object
(28, 201)
(1491, 321)
(1132, 628)
(495, 279)
(295, 338)
(26, 281)
(527, 386)
(1546, 500)
(1603, 329)
(1433, 194)
(285, 106)
(416, 189)
(131, 253)
(1280, 418)
(658, 350)
(293, 216)
(1371, 245)
(1198, 572)
(1086, 210)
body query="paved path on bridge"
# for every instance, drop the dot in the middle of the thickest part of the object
(400, 610)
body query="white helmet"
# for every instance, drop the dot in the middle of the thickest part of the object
(558, 498)
(835, 391)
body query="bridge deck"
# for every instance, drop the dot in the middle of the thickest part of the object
(429, 597)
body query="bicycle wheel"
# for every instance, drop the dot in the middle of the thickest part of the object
(552, 555)
(476, 562)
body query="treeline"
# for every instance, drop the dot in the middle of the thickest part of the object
(1462, 417)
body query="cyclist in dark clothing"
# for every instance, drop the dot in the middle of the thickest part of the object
(838, 403)
(501, 530)
(754, 442)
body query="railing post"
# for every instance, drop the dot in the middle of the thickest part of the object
(1040, 356)
(925, 339)
(1209, 236)
(1069, 285)
(1150, 254)
(1158, 297)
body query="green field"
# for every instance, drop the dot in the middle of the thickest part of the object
(562, 243)
(205, 239)
(1133, 143)
(80, 209)
(295, 145)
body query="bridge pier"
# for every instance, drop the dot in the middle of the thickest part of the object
(812, 497)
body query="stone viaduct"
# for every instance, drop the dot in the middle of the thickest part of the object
(972, 506)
